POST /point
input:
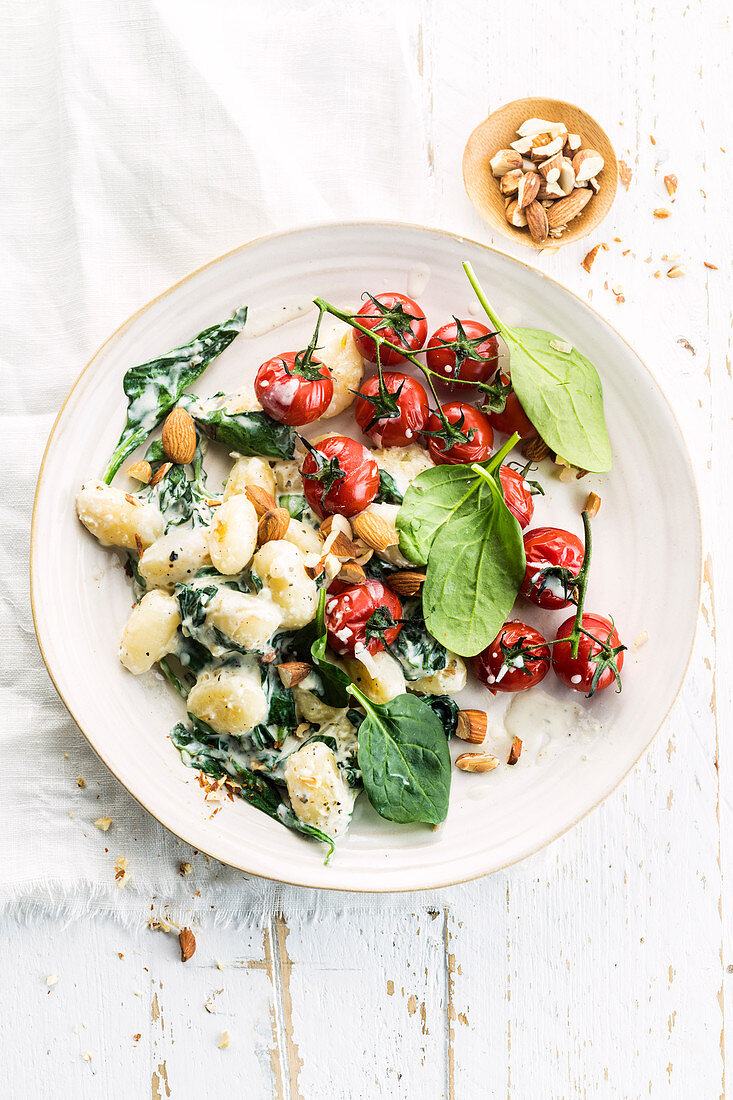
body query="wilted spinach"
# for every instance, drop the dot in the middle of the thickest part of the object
(248, 433)
(417, 651)
(387, 493)
(154, 388)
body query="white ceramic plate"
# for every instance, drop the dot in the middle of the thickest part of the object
(646, 568)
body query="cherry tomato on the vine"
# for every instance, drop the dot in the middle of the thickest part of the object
(339, 475)
(294, 389)
(462, 349)
(599, 659)
(554, 558)
(398, 319)
(517, 495)
(362, 615)
(510, 663)
(471, 423)
(394, 418)
(512, 418)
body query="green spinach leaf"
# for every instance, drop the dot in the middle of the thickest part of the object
(387, 493)
(417, 651)
(558, 388)
(445, 707)
(153, 389)
(404, 759)
(295, 503)
(248, 433)
(432, 499)
(474, 571)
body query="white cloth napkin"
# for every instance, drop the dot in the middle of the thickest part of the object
(141, 139)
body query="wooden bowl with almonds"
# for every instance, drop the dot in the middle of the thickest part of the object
(541, 172)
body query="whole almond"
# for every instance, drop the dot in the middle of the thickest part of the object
(537, 221)
(351, 573)
(476, 762)
(179, 436)
(472, 726)
(273, 525)
(529, 185)
(261, 500)
(141, 471)
(535, 449)
(564, 210)
(187, 942)
(592, 505)
(160, 473)
(515, 752)
(293, 672)
(406, 582)
(375, 531)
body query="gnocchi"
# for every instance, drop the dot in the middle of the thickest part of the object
(150, 632)
(116, 518)
(229, 700)
(232, 535)
(249, 471)
(281, 566)
(379, 675)
(318, 792)
(175, 558)
(448, 680)
(342, 357)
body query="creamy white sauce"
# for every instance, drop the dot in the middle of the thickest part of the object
(541, 720)
(264, 320)
(417, 279)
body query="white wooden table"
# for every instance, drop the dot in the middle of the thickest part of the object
(600, 966)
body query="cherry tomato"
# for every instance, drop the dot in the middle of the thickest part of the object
(517, 495)
(595, 658)
(554, 558)
(507, 664)
(474, 358)
(341, 476)
(479, 447)
(358, 616)
(512, 418)
(398, 319)
(293, 391)
(411, 402)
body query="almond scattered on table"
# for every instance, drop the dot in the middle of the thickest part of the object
(544, 168)
(187, 942)
(589, 259)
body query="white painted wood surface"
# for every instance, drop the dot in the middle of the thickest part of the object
(600, 966)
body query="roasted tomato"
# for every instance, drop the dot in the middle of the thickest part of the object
(478, 435)
(554, 558)
(339, 475)
(511, 663)
(517, 495)
(600, 658)
(362, 616)
(394, 417)
(462, 349)
(398, 319)
(512, 418)
(293, 388)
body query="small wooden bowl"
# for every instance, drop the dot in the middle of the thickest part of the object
(499, 130)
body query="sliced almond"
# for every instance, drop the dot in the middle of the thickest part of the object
(564, 210)
(587, 163)
(504, 161)
(314, 571)
(624, 174)
(293, 672)
(472, 726)
(341, 546)
(261, 500)
(339, 522)
(521, 145)
(179, 436)
(375, 531)
(675, 272)
(273, 525)
(537, 220)
(566, 179)
(661, 212)
(515, 216)
(510, 182)
(670, 182)
(550, 169)
(351, 573)
(187, 942)
(534, 126)
(160, 473)
(515, 752)
(595, 187)
(542, 148)
(477, 762)
(406, 582)
(592, 504)
(573, 142)
(141, 471)
(529, 185)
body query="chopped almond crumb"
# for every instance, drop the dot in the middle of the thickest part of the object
(137, 1037)
(711, 267)
(81, 782)
(624, 174)
(185, 869)
(587, 262)
(641, 638)
(662, 212)
(122, 875)
(675, 272)
(103, 823)
(224, 1041)
(52, 979)
(652, 139)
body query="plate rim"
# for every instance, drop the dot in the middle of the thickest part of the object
(365, 224)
